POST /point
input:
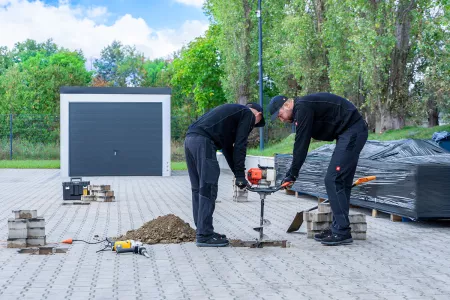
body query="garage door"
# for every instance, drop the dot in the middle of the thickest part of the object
(115, 139)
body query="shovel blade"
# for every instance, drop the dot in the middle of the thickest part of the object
(296, 223)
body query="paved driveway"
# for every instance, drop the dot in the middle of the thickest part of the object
(397, 261)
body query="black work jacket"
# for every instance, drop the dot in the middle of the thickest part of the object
(228, 125)
(321, 116)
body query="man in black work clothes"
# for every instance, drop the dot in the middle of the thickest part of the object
(326, 117)
(225, 127)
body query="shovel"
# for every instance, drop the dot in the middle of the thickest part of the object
(298, 220)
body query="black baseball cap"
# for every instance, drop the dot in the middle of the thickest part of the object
(258, 108)
(275, 104)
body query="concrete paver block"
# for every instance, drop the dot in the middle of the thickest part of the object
(306, 216)
(36, 222)
(321, 217)
(318, 225)
(25, 214)
(17, 224)
(36, 232)
(103, 193)
(359, 227)
(357, 218)
(36, 241)
(88, 198)
(17, 233)
(99, 188)
(324, 208)
(16, 243)
(359, 235)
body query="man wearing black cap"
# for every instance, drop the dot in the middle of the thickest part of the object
(326, 117)
(225, 127)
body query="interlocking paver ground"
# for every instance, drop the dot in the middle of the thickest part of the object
(397, 261)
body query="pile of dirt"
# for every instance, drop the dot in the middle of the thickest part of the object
(168, 229)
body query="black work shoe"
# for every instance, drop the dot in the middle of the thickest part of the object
(337, 239)
(213, 241)
(222, 236)
(325, 233)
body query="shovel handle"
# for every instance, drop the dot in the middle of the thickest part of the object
(363, 180)
(357, 182)
(286, 184)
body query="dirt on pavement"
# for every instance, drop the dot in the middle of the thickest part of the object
(168, 229)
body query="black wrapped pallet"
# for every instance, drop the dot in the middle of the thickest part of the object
(73, 190)
(412, 177)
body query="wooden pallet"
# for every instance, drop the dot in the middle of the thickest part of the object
(393, 217)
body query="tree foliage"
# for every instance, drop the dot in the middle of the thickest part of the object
(390, 58)
(153, 70)
(33, 85)
(198, 72)
(120, 65)
(237, 44)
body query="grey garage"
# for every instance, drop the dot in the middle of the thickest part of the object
(109, 131)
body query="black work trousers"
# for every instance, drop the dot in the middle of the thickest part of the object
(341, 170)
(204, 172)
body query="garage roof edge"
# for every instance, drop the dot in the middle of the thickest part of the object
(115, 90)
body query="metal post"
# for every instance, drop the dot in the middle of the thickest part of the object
(261, 129)
(10, 136)
(261, 221)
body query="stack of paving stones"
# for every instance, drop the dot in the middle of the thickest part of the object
(99, 193)
(319, 220)
(26, 229)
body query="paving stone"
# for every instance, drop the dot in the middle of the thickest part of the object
(359, 227)
(356, 218)
(324, 208)
(35, 222)
(36, 232)
(25, 214)
(359, 235)
(320, 217)
(412, 256)
(36, 241)
(315, 226)
(18, 233)
(16, 243)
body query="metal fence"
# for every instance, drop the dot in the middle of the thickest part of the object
(36, 136)
(29, 136)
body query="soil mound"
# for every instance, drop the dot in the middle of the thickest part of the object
(168, 229)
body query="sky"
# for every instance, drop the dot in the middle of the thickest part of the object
(156, 28)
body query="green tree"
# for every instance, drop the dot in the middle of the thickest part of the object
(431, 52)
(237, 44)
(22, 51)
(152, 72)
(5, 59)
(108, 64)
(198, 72)
(296, 56)
(33, 86)
(131, 69)
(120, 65)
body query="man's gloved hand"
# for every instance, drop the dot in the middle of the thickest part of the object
(289, 178)
(241, 182)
